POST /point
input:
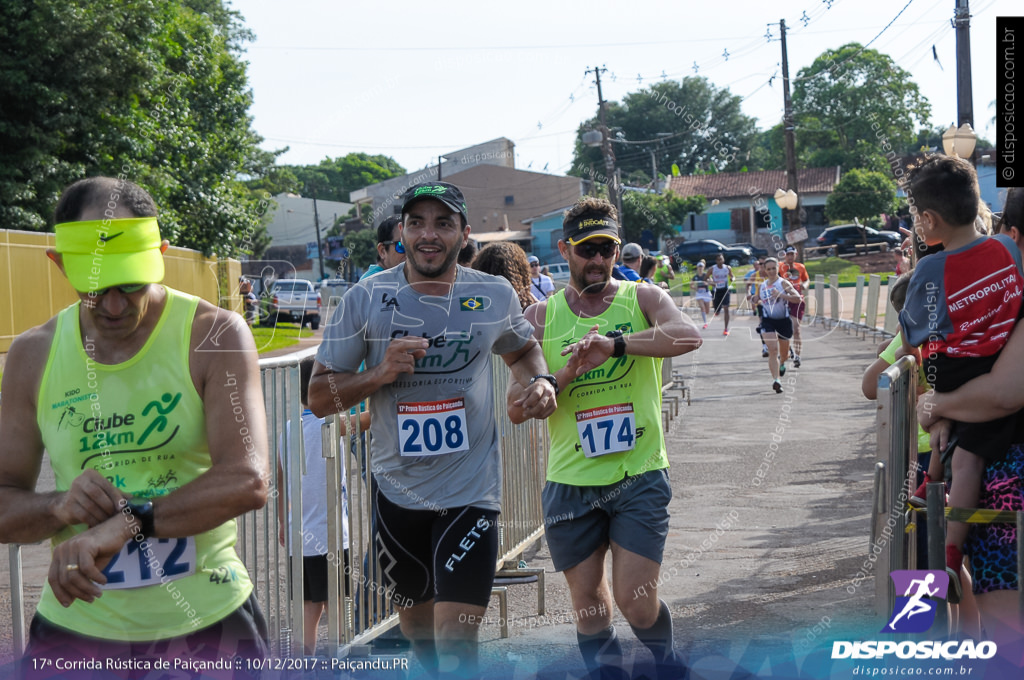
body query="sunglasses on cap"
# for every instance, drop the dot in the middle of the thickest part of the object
(588, 249)
(126, 289)
(399, 248)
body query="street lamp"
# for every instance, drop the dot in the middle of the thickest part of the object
(959, 142)
(788, 200)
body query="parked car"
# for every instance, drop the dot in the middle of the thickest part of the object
(846, 237)
(290, 300)
(707, 250)
(558, 271)
(758, 252)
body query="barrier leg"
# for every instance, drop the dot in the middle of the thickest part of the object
(936, 497)
(17, 599)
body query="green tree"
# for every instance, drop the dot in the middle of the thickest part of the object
(854, 106)
(659, 213)
(861, 194)
(690, 123)
(333, 179)
(362, 247)
(154, 92)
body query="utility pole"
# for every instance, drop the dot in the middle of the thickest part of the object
(964, 94)
(788, 126)
(611, 178)
(316, 225)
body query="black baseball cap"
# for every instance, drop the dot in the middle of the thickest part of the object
(449, 194)
(587, 226)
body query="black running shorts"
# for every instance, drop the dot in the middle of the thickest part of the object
(445, 555)
(781, 327)
(721, 299)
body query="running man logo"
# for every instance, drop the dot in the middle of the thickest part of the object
(472, 304)
(915, 586)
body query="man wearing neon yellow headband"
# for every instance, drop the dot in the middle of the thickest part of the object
(156, 436)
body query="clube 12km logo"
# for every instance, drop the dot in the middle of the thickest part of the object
(913, 613)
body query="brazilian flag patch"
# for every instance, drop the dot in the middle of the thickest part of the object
(624, 327)
(472, 304)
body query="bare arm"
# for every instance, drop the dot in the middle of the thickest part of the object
(336, 392)
(226, 374)
(993, 395)
(536, 400)
(25, 515)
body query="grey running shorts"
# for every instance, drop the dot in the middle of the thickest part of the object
(633, 512)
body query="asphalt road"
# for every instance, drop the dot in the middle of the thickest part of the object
(769, 519)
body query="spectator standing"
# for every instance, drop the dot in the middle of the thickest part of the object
(541, 285)
(390, 252)
(508, 260)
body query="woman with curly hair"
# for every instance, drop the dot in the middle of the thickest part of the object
(508, 260)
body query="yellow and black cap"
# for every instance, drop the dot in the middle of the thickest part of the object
(587, 226)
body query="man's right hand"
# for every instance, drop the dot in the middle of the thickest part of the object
(90, 500)
(400, 357)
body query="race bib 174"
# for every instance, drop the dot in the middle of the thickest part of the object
(606, 429)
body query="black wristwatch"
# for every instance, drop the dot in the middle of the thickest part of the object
(620, 343)
(550, 378)
(143, 512)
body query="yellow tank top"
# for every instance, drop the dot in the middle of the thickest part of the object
(141, 425)
(608, 421)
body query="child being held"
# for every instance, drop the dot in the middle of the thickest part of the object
(961, 305)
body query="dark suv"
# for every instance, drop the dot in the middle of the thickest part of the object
(707, 250)
(846, 237)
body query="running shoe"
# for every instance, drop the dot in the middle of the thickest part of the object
(782, 369)
(777, 386)
(705, 326)
(725, 332)
(796, 361)
(764, 351)
(920, 497)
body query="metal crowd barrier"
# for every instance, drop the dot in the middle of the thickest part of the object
(892, 545)
(893, 529)
(366, 612)
(277, 577)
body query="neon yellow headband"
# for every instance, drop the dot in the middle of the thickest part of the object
(98, 254)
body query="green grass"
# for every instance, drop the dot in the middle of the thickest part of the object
(847, 271)
(285, 335)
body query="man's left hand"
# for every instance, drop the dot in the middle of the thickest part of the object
(77, 564)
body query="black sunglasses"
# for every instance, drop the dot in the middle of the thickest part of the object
(588, 250)
(399, 248)
(126, 289)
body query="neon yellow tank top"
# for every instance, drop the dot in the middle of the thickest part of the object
(608, 422)
(141, 425)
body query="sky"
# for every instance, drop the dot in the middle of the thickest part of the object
(413, 80)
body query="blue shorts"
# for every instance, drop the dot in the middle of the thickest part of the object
(633, 512)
